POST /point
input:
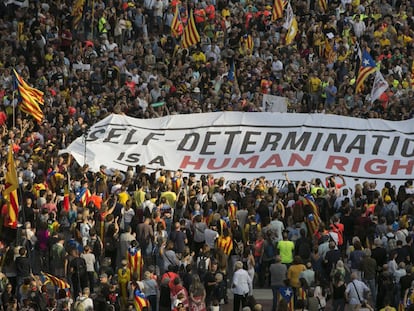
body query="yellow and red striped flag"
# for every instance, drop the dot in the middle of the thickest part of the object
(77, 13)
(277, 9)
(10, 190)
(59, 283)
(190, 36)
(29, 98)
(323, 5)
(176, 24)
(226, 244)
(313, 220)
(367, 67)
(140, 302)
(330, 54)
(412, 75)
(232, 209)
(286, 294)
(135, 262)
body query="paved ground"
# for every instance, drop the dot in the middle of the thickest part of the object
(262, 296)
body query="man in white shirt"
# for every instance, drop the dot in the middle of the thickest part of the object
(356, 291)
(242, 286)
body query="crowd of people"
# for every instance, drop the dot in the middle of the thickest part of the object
(161, 240)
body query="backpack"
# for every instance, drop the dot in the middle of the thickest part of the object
(252, 233)
(202, 265)
(96, 247)
(80, 265)
(110, 244)
(238, 247)
(269, 249)
(79, 306)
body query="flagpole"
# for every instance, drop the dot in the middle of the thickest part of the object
(14, 108)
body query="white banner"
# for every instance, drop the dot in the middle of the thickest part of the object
(239, 145)
(273, 103)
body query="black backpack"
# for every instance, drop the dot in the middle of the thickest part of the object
(252, 233)
(80, 265)
(202, 265)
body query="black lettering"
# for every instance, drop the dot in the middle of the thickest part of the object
(358, 143)
(151, 136)
(378, 142)
(406, 145)
(158, 160)
(317, 142)
(230, 140)
(247, 142)
(113, 134)
(394, 145)
(292, 144)
(132, 158)
(129, 137)
(195, 137)
(207, 143)
(93, 135)
(333, 138)
(271, 139)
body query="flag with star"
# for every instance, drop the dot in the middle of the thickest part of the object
(135, 262)
(368, 66)
(286, 293)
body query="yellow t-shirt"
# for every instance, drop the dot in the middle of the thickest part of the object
(293, 274)
(315, 84)
(286, 249)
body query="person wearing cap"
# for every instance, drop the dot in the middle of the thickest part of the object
(390, 210)
(103, 292)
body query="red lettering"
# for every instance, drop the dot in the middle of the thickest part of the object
(297, 158)
(355, 165)
(187, 162)
(274, 160)
(371, 167)
(252, 160)
(397, 166)
(211, 164)
(338, 162)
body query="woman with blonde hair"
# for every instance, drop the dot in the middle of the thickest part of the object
(197, 295)
(150, 290)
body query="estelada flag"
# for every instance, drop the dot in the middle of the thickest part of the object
(59, 283)
(313, 219)
(226, 244)
(10, 191)
(140, 301)
(368, 66)
(135, 262)
(176, 24)
(286, 293)
(29, 98)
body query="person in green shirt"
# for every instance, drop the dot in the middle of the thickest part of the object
(286, 249)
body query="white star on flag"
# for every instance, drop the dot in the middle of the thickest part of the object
(366, 62)
(288, 292)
